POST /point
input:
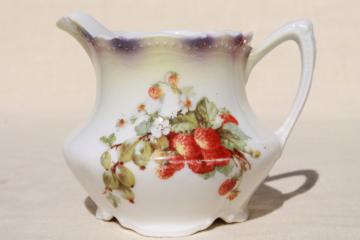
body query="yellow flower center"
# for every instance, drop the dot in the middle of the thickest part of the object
(187, 103)
(121, 122)
(141, 107)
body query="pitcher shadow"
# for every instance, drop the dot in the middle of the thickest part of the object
(265, 200)
(268, 199)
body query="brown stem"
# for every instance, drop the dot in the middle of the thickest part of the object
(144, 137)
(243, 161)
(115, 146)
(139, 139)
(113, 168)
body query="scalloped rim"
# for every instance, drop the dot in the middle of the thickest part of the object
(239, 217)
(177, 34)
(84, 27)
(163, 231)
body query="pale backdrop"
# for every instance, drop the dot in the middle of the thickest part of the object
(48, 88)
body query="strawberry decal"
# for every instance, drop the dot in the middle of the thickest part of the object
(186, 146)
(207, 138)
(227, 186)
(201, 166)
(177, 132)
(221, 156)
(228, 118)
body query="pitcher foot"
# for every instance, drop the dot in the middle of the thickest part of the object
(102, 214)
(239, 216)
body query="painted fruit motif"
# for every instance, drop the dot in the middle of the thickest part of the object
(207, 138)
(227, 186)
(186, 146)
(193, 134)
(221, 156)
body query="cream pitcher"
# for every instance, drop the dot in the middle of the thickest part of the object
(172, 143)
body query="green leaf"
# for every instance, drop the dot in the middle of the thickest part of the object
(110, 180)
(184, 123)
(106, 160)
(235, 130)
(108, 140)
(232, 137)
(114, 200)
(112, 139)
(143, 128)
(232, 142)
(104, 140)
(227, 169)
(206, 112)
(208, 175)
(125, 176)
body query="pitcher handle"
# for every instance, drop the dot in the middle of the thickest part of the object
(302, 33)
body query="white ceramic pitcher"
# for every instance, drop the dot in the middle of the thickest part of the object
(172, 143)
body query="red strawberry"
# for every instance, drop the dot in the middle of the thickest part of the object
(207, 138)
(165, 171)
(174, 163)
(220, 155)
(170, 138)
(200, 166)
(186, 146)
(233, 194)
(177, 162)
(227, 186)
(227, 117)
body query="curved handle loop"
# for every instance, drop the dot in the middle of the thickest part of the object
(302, 33)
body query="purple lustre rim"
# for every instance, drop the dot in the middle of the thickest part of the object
(86, 28)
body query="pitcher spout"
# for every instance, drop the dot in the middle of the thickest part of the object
(84, 29)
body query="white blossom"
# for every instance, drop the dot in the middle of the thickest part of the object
(160, 127)
(186, 103)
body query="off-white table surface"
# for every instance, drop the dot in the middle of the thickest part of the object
(47, 88)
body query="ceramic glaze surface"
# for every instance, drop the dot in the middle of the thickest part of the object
(172, 143)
